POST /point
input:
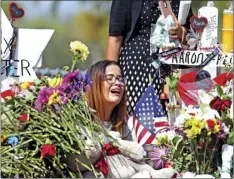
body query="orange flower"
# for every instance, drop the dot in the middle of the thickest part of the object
(3, 138)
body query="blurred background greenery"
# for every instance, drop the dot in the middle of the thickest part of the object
(86, 21)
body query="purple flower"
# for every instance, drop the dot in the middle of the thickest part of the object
(158, 155)
(43, 97)
(71, 77)
(73, 85)
(222, 134)
(87, 81)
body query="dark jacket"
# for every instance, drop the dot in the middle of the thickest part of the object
(124, 16)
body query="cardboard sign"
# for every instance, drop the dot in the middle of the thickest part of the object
(7, 34)
(196, 58)
(30, 44)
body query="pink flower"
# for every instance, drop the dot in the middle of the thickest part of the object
(158, 155)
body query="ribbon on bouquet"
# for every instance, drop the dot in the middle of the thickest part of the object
(101, 164)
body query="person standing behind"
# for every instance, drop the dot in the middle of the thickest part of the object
(129, 43)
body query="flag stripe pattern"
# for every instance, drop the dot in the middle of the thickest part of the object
(148, 117)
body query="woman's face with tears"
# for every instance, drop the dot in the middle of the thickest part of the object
(113, 85)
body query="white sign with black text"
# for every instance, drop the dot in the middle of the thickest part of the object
(196, 58)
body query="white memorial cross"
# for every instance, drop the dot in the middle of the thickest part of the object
(30, 44)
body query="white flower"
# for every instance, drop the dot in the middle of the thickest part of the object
(181, 119)
(23, 93)
(231, 111)
(228, 89)
(170, 134)
(225, 129)
(210, 113)
(204, 96)
(192, 109)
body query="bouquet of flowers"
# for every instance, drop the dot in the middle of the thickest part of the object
(46, 120)
(221, 101)
(191, 144)
(200, 138)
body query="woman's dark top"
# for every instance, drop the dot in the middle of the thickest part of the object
(132, 20)
(124, 16)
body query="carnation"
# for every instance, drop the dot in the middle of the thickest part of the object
(79, 50)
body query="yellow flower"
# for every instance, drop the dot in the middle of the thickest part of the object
(54, 98)
(194, 126)
(56, 81)
(209, 133)
(191, 133)
(182, 111)
(79, 50)
(216, 129)
(25, 85)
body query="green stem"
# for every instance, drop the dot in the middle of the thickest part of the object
(199, 155)
(204, 156)
(195, 156)
(211, 157)
(73, 64)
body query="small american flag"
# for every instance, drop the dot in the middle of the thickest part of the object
(148, 117)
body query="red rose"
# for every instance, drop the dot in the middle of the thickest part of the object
(202, 144)
(216, 103)
(227, 103)
(168, 164)
(47, 150)
(24, 117)
(7, 93)
(210, 123)
(110, 150)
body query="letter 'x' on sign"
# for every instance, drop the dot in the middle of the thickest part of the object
(8, 44)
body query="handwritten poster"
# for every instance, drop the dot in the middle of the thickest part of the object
(195, 58)
(30, 43)
(210, 34)
(7, 33)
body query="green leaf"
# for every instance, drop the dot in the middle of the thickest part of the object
(37, 82)
(188, 157)
(177, 150)
(175, 140)
(230, 138)
(66, 68)
(219, 90)
(226, 97)
(29, 96)
(203, 106)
